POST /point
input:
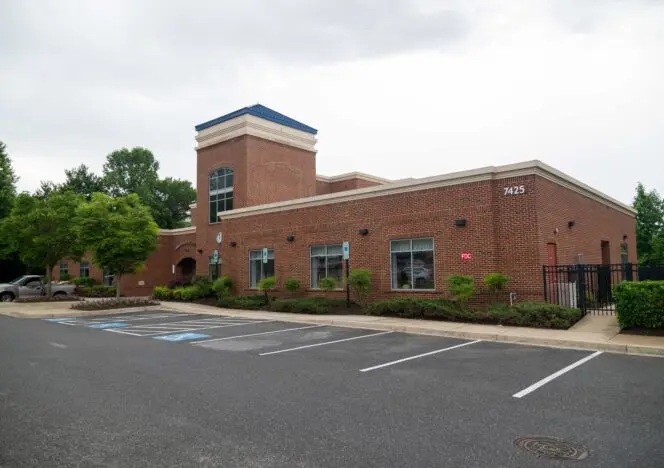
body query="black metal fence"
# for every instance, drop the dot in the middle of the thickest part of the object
(590, 287)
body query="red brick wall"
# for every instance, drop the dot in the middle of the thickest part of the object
(350, 184)
(593, 222)
(322, 187)
(278, 172)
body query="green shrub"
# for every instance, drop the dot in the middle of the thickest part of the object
(292, 285)
(496, 284)
(640, 304)
(534, 314)
(359, 281)
(462, 287)
(328, 284)
(191, 293)
(267, 284)
(162, 292)
(85, 281)
(97, 291)
(222, 286)
(438, 309)
(203, 284)
(242, 302)
(65, 277)
(301, 306)
(528, 314)
(114, 303)
(177, 294)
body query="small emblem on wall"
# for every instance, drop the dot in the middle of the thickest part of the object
(466, 256)
(219, 238)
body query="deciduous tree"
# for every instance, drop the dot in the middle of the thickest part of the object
(120, 233)
(649, 226)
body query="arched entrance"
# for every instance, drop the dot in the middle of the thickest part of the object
(185, 269)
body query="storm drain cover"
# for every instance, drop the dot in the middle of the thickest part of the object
(551, 447)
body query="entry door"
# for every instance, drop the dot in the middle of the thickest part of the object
(552, 254)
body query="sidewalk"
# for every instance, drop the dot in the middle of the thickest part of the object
(595, 332)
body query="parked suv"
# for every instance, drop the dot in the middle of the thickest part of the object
(32, 285)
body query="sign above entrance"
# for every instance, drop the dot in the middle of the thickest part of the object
(219, 238)
(346, 250)
(466, 256)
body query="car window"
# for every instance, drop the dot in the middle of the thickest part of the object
(17, 280)
(33, 284)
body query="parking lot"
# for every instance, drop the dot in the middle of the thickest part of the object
(173, 389)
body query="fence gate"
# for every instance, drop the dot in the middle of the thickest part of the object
(590, 287)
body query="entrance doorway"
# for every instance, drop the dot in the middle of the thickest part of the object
(185, 270)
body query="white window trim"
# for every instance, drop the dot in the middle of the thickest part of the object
(255, 288)
(411, 239)
(311, 278)
(218, 192)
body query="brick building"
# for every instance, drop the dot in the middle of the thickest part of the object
(258, 189)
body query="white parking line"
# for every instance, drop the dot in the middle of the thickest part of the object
(256, 334)
(418, 356)
(148, 332)
(324, 343)
(555, 375)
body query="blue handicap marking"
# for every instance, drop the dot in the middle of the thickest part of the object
(61, 319)
(181, 337)
(108, 325)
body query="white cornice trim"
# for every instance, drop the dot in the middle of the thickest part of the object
(255, 126)
(178, 231)
(464, 177)
(351, 176)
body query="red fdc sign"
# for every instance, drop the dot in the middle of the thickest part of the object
(466, 256)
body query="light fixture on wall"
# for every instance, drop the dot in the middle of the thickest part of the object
(460, 222)
(570, 224)
(233, 243)
(624, 237)
(290, 238)
(364, 232)
(200, 251)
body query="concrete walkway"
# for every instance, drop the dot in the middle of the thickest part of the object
(596, 332)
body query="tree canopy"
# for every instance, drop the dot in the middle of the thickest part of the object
(120, 232)
(129, 171)
(43, 230)
(649, 226)
(8, 181)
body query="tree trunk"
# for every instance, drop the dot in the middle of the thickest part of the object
(117, 286)
(49, 275)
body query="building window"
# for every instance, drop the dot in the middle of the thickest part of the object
(64, 271)
(84, 270)
(326, 261)
(624, 256)
(412, 264)
(221, 192)
(109, 278)
(214, 268)
(258, 269)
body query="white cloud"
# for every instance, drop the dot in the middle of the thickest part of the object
(399, 89)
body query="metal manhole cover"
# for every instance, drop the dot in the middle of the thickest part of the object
(551, 447)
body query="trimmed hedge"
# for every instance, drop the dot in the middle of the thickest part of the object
(96, 291)
(526, 314)
(640, 304)
(115, 303)
(242, 302)
(85, 281)
(301, 306)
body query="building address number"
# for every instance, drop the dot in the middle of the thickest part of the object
(515, 190)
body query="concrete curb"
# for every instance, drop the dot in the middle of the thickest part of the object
(421, 330)
(84, 313)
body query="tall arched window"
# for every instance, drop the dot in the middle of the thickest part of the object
(221, 192)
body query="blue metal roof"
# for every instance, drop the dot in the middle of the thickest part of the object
(259, 110)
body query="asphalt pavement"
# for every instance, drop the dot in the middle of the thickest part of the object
(168, 389)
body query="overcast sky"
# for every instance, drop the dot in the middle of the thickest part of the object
(396, 88)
